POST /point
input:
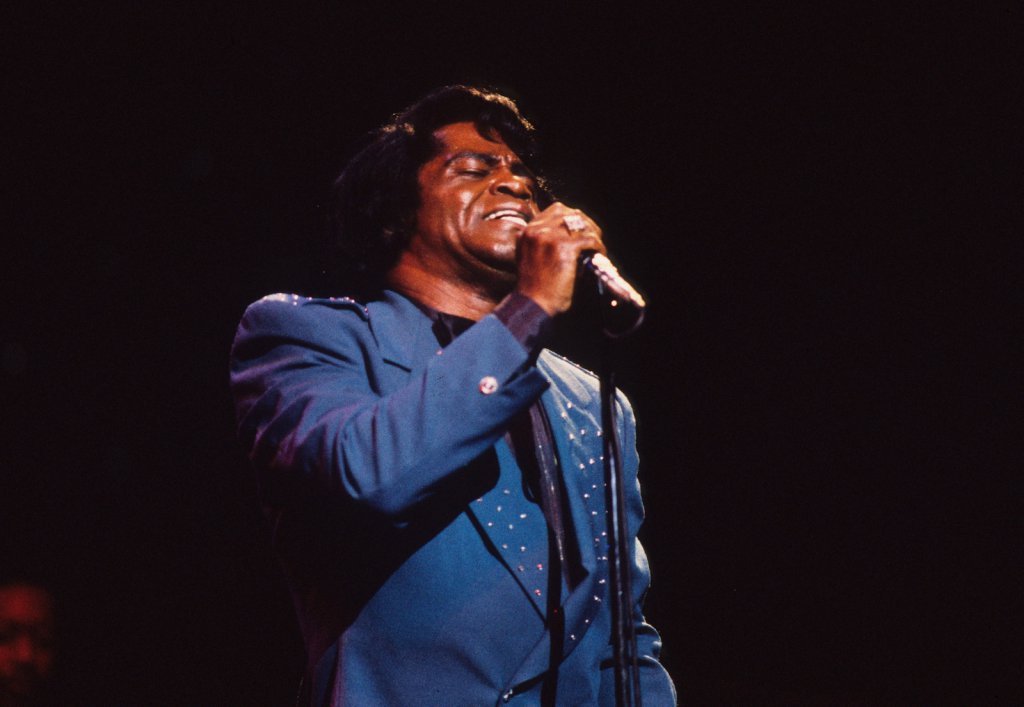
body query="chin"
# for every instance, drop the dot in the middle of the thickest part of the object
(499, 278)
(506, 267)
(501, 260)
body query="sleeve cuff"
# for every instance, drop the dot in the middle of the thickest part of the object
(526, 321)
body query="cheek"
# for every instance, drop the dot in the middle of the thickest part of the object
(463, 202)
(429, 214)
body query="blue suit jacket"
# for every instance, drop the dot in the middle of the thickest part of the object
(416, 562)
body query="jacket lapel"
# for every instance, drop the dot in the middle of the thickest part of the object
(572, 410)
(516, 529)
(579, 438)
(403, 332)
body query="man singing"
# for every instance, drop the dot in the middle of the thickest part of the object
(432, 475)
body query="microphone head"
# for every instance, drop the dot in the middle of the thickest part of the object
(623, 307)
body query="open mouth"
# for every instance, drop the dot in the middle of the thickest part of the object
(511, 215)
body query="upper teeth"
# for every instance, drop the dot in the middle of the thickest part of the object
(507, 214)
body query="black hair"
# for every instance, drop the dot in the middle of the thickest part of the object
(375, 199)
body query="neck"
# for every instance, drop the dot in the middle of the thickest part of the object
(445, 294)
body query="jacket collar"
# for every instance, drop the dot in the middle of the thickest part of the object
(402, 329)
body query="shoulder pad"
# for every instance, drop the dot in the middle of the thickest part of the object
(334, 302)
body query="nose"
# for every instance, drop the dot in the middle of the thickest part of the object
(515, 185)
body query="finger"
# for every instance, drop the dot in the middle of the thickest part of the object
(591, 242)
(575, 222)
(559, 218)
(585, 234)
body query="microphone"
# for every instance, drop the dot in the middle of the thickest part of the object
(608, 276)
(625, 302)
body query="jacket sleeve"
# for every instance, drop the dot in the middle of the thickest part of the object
(314, 414)
(657, 689)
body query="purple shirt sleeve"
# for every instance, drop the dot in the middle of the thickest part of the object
(526, 321)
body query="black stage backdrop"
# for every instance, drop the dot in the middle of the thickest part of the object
(807, 196)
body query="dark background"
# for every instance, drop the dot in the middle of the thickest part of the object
(809, 198)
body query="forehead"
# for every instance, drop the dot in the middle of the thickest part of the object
(464, 137)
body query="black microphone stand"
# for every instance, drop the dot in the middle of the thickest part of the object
(620, 320)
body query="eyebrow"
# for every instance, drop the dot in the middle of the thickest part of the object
(517, 167)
